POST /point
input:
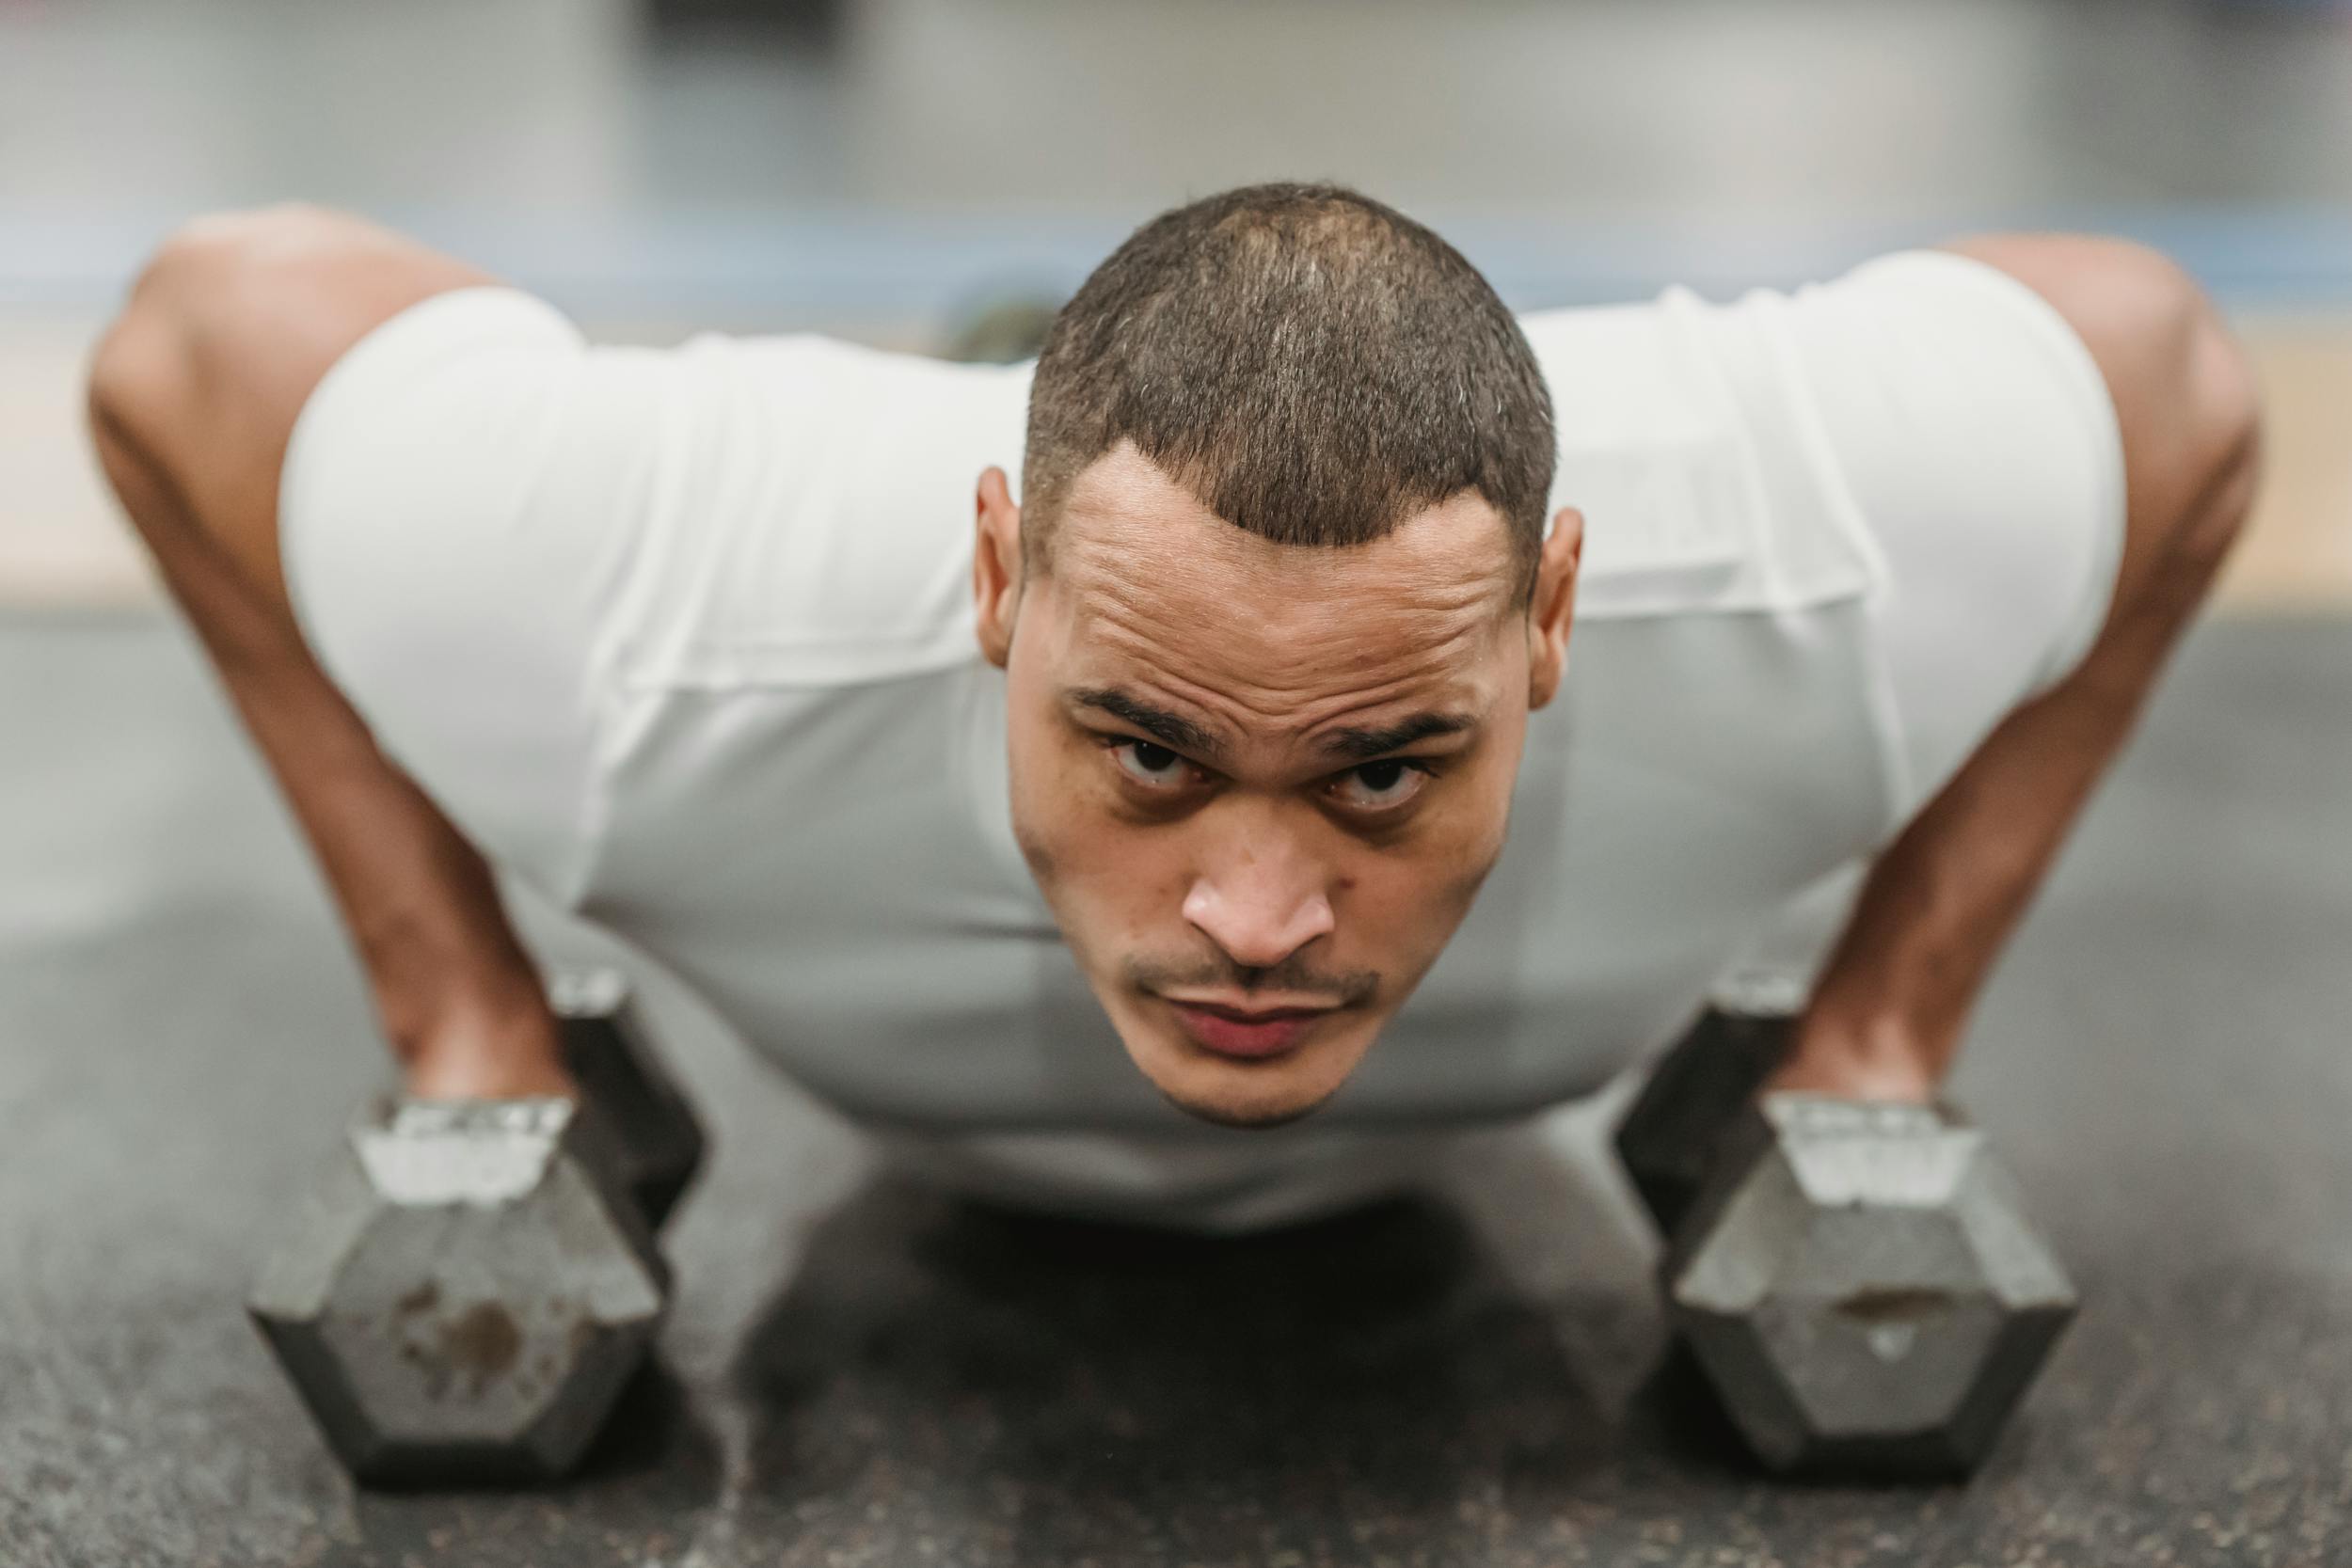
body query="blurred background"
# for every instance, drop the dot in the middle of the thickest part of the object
(885, 168)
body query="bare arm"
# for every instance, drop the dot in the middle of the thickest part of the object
(193, 395)
(1889, 1011)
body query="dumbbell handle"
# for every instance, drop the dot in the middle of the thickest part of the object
(608, 1054)
(1673, 1134)
(481, 1151)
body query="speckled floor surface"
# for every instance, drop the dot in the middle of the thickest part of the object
(860, 1372)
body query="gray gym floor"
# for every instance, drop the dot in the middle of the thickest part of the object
(864, 1373)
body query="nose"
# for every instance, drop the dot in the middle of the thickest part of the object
(1261, 908)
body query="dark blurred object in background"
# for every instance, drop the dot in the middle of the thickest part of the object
(811, 24)
(1003, 331)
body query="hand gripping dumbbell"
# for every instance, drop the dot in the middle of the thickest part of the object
(474, 1281)
(1857, 1280)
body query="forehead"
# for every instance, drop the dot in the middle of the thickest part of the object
(1148, 584)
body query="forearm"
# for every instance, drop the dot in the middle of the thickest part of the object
(1892, 1001)
(454, 989)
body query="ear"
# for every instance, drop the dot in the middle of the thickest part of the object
(996, 565)
(1553, 607)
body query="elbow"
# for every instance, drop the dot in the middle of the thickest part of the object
(2234, 399)
(135, 353)
(130, 372)
(2183, 343)
(2184, 390)
(146, 351)
(2222, 411)
(183, 297)
(2196, 410)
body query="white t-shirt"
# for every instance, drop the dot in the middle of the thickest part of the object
(684, 637)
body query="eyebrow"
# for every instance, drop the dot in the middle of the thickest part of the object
(1362, 745)
(1181, 734)
(1172, 729)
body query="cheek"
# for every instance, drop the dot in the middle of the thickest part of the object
(1077, 848)
(1045, 823)
(1412, 898)
(1039, 792)
(1404, 907)
(1484, 818)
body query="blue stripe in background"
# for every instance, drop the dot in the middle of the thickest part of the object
(822, 266)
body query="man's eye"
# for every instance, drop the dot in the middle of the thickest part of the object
(1381, 785)
(1153, 767)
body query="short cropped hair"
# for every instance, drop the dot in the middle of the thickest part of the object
(1311, 365)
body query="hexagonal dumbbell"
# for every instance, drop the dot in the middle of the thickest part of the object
(474, 1281)
(1672, 1135)
(1861, 1288)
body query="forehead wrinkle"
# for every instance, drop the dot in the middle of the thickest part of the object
(1305, 600)
(1128, 524)
(1282, 680)
(1314, 635)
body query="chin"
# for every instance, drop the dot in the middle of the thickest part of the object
(1251, 1096)
(1251, 1115)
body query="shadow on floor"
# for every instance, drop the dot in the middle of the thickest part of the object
(1099, 1383)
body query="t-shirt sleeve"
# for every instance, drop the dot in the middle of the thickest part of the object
(1975, 438)
(461, 498)
(507, 545)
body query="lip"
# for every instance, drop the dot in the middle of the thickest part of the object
(1247, 1033)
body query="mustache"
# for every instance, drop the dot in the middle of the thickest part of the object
(1346, 988)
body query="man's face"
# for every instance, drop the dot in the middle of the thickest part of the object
(1258, 783)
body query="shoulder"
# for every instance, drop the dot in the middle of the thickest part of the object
(813, 523)
(229, 328)
(1685, 439)
(2186, 406)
